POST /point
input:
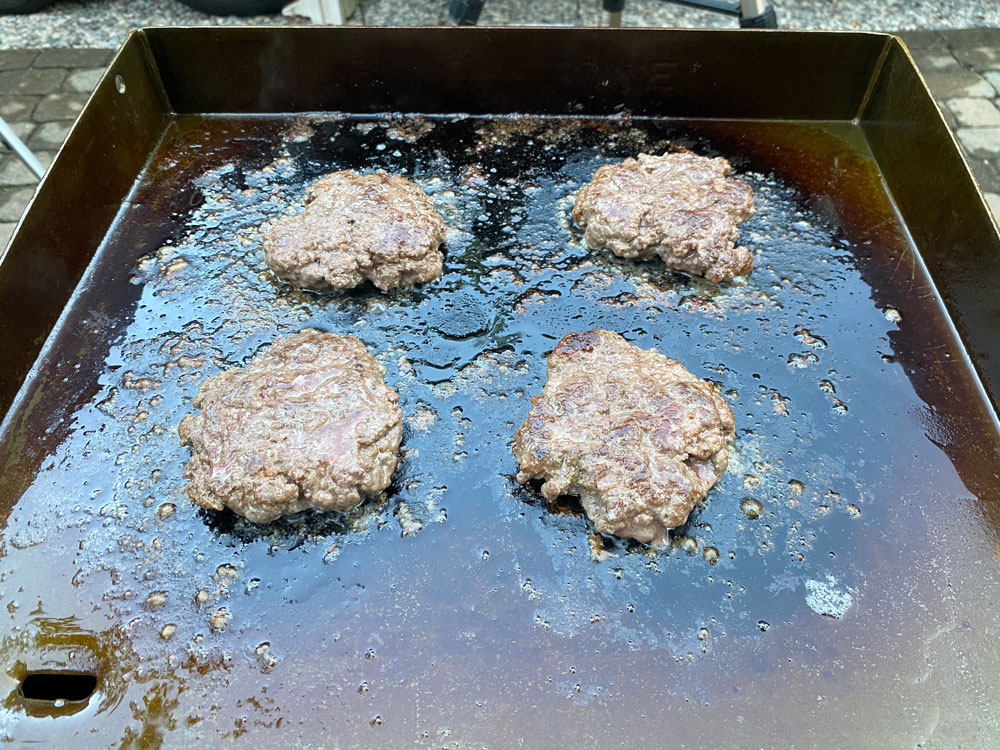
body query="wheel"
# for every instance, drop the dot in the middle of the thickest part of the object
(235, 7)
(8, 7)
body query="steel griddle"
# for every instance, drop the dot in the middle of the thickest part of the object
(460, 610)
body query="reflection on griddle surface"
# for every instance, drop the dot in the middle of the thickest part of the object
(461, 610)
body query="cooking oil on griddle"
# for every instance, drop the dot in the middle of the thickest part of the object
(460, 608)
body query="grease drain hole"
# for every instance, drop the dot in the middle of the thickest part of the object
(58, 688)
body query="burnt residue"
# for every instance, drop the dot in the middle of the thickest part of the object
(459, 604)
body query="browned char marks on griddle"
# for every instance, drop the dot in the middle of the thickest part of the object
(681, 207)
(635, 435)
(378, 227)
(308, 423)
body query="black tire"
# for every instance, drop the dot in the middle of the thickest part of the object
(9, 7)
(236, 7)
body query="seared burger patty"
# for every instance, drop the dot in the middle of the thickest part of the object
(355, 227)
(681, 207)
(308, 423)
(635, 435)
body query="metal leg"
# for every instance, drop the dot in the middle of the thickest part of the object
(614, 9)
(465, 12)
(755, 14)
(23, 152)
(322, 11)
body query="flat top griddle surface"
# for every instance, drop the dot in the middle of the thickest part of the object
(460, 610)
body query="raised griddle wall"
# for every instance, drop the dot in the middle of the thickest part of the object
(940, 203)
(748, 75)
(691, 74)
(256, 70)
(74, 206)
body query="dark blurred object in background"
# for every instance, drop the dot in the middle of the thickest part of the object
(22, 6)
(215, 7)
(236, 7)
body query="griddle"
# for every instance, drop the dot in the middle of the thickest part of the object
(838, 588)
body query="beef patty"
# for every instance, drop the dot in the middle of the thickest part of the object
(681, 207)
(307, 423)
(355, 227)
(635, 435)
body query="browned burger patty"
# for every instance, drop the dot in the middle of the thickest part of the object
(680, 207)
(355, 227)
(635, 435)
(308, 423)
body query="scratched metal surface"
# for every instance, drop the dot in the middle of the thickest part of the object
(829, 581)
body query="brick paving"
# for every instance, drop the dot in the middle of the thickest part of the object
(42, 91)
(962, 68)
